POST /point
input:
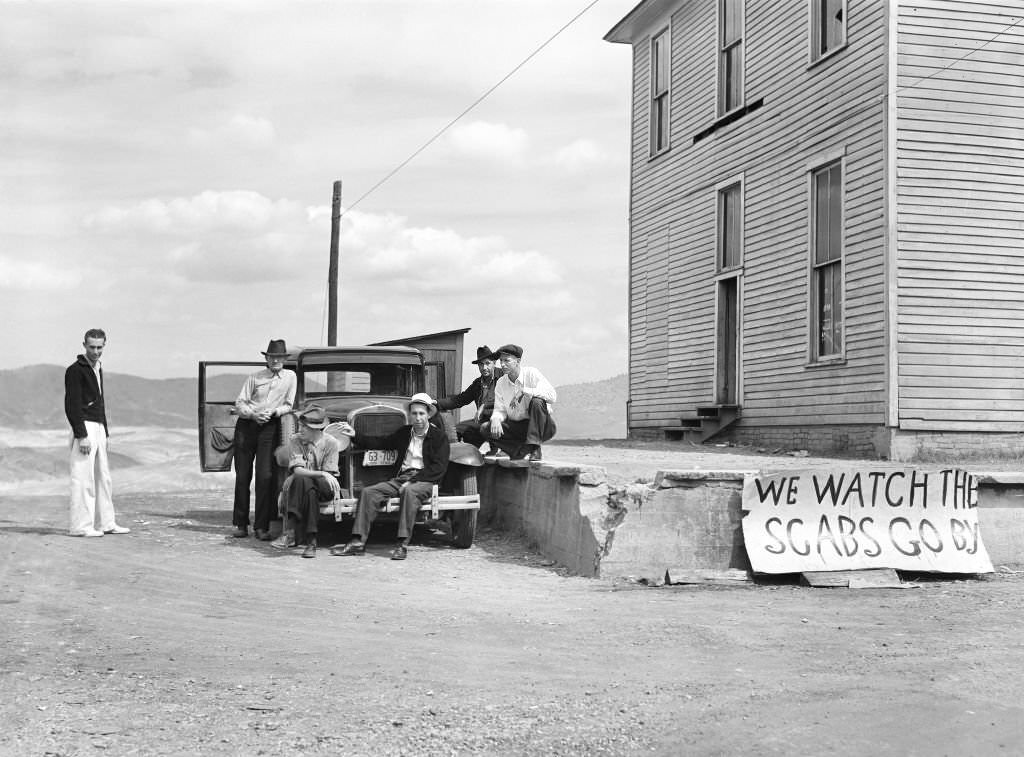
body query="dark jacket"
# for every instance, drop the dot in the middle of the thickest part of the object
(83, 397)
(476, 392)
(435, 450)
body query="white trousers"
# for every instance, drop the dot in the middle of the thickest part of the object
(91, 492)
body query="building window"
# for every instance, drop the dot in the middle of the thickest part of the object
(661, 75)
(827, 261)
(730, 55)
(730, 227)
(828, 26)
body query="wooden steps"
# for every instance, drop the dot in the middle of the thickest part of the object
(706, 421)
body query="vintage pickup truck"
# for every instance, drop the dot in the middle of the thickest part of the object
(366, 386)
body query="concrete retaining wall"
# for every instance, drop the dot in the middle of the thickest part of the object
(687, 520)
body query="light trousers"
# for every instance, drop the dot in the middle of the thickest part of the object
(91, 491)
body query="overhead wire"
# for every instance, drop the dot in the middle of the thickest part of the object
(470, 107)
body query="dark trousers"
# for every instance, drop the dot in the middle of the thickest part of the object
(254, 452)
(305, 493)
(535, 429)
(469, 431)
(373, 499)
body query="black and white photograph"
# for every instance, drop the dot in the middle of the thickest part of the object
(512, 377)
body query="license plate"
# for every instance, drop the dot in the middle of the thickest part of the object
(373, 457)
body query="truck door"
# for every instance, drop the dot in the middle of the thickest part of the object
(219, 385)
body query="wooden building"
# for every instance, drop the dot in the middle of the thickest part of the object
(827, 224)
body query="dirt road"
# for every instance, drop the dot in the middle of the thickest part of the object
(175, 640)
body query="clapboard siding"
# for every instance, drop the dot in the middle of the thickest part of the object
(836, 105)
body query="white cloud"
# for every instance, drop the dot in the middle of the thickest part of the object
(385, 250)
(35, 276)
(237, 210)
(581, 154)
(489, 141)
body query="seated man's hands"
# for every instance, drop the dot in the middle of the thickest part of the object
(496, 430)
(333, 482)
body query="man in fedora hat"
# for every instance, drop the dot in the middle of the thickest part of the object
(521, 420)
(423, 451)
(481, 392)
(266, 395)
(312, 478)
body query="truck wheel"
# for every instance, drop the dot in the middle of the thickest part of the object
(464, 521)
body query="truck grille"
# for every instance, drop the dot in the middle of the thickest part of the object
(378, 421)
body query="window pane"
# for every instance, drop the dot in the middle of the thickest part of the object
(832, 25)
(732, 78)
(829, 301)
(659, 124)
(828, 213)
(732, 21)
(835, 212)
(659, 52)
(730, 226)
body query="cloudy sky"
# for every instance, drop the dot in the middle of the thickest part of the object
(166, 173)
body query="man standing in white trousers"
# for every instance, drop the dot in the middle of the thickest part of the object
(91, 493)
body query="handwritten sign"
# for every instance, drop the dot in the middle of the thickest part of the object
(860, 518)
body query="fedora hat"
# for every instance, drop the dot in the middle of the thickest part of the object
(423, 398)
(313, 416)
(276, 347)
(482, 353)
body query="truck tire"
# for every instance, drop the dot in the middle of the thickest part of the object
(463, 522)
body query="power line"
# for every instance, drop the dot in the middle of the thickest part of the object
(472, 105)
(966, 55)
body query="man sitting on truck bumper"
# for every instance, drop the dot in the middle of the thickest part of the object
(423, 451)
(313, 465)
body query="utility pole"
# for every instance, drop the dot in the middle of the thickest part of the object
(332, 274)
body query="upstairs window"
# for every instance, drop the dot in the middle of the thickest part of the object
(730, 55)
(661, 75)
(827, 261)
(828, 27)
(730, 227)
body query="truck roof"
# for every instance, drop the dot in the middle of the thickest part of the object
(356, 354)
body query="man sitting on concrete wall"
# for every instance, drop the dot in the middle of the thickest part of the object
(521, 420)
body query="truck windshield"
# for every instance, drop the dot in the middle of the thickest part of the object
(383, 380)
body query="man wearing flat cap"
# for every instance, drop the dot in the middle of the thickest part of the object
(423, 451)
(312, 478)
(266, 395)
(521, 420)
(480, 392)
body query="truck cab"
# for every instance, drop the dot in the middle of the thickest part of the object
(367, 386)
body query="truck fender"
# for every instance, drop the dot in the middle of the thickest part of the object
(465, 454)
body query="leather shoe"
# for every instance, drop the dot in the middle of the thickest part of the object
(116, 529)
(309, 551)
(240, 532)
(399, 553)
(352, 548)
(262, 535)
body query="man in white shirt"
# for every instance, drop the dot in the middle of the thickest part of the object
(265, 397)
(521, 420)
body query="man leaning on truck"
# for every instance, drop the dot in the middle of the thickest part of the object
(423, 451)
(265, 397)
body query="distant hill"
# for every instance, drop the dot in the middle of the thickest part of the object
(595, 410)
(34, 398)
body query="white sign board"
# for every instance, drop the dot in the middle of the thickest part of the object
(861, 518)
